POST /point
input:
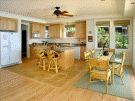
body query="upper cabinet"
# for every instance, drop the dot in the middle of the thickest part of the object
(38, 28)
(8, 24)
(56, 31)
(35, 28)
(80, 29)
(42, 31)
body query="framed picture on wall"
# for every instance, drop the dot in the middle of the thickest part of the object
(90, 38)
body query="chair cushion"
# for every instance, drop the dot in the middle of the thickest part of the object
(100, 74)
(115, 65)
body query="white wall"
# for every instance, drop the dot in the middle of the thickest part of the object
(133, 65)
(90, 27)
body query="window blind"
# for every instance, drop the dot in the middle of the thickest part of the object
(121, 22)
(68, 26)
(103, 23)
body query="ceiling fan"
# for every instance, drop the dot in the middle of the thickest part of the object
(57, 12)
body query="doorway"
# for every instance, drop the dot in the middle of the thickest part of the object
(24, 41)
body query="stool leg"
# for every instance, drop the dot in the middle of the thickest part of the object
(44, 65)
(56, 68)
(49, 65)
(39, 63)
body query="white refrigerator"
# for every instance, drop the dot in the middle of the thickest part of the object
(9, 49)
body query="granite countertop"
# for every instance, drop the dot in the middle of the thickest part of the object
(61, 44)
(61, 49)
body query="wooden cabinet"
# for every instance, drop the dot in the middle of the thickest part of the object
(35, 28)
(42, 31)
(56, 31)
(82, 50)
(8, 24)
(12, 25)
(38, 28)
(80, 29)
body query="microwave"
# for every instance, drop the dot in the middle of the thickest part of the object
(36, 35)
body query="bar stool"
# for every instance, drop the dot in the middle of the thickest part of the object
(36, 52)
(53, 56)
(42, 57)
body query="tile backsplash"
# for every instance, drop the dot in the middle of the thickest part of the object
(58, 40)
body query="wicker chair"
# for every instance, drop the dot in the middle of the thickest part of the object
(101, 72)
(87, 55)
(118, 68)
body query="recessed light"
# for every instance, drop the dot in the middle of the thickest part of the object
(102, 0)
(133, 3)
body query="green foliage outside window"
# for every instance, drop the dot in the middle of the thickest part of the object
(70, 31)
(121, 38)
(121, 41)
(103, 37)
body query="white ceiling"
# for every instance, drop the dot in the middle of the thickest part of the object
(43, 9)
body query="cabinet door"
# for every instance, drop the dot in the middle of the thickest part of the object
(83, 35)
(35, 28)
(57, 31)
(3, 24)
(42, 31)
(52, 31)
(83, 49)
(12, 25)
(80, 28)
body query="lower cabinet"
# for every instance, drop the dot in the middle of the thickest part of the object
(82, 50)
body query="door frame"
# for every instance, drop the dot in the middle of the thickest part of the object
(28, 36)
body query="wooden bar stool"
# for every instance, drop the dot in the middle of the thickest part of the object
(37, 57)
(42, 57)
(53, 56)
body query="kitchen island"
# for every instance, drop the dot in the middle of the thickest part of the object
(67, 56)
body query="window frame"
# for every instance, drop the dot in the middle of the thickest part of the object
(122, 35)
(65, 29)
(101, 35)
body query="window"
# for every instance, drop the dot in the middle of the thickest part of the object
(46, 31)
(70, 30)
(122, 38)
(102, 36)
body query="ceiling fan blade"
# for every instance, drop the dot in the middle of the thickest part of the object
(67, 15)
(63, 12)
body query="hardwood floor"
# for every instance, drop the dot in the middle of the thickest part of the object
(17, 85)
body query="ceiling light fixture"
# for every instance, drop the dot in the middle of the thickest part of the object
(102, 0)
(133, 3)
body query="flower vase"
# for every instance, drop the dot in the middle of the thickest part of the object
(106, 53)
(52, 48)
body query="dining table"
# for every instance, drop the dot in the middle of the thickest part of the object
(113, 58)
